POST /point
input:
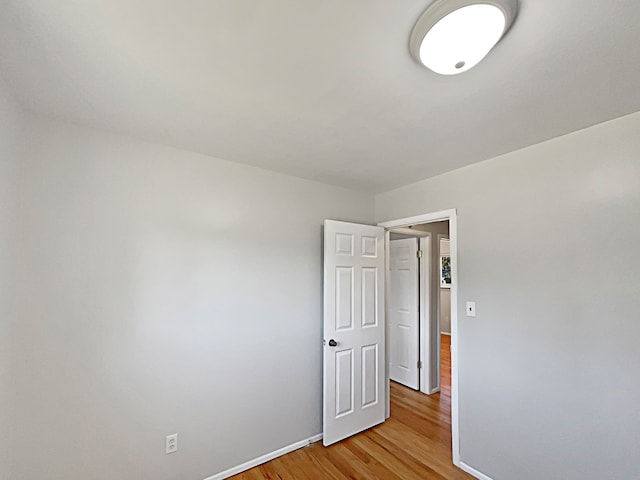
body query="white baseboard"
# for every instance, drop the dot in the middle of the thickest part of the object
(473, 471)
(264, 458)
(445, 333)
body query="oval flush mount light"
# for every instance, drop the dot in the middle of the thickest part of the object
(453, 36)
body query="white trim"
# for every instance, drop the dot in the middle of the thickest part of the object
(473, 471)
(445, 333)
(440, 216)
(424, 301)
(439, 238)
(387, 377)
(455, 425)
(265, 458)
(452, 216)
(410, 232)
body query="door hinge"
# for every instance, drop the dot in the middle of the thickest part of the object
(419, 364)
(419, 253)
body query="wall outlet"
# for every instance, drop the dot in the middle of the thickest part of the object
(171, 443)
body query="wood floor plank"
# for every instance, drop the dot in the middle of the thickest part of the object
(414, 444)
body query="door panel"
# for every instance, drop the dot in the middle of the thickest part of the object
(354, 319)
(344, 298)
(369, 297)
(344, 382)
(369, 375)
(404, 312)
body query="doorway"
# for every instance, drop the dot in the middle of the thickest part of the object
(356, 378)
(418, 304)
(431, 339)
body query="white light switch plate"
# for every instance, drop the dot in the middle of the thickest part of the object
(471, 309)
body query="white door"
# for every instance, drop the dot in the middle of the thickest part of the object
(404, 338)
(354, 356)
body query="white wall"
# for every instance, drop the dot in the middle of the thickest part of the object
(10, 125)
(161, 291)
(445, 310)
(549, 368)
(132, 314)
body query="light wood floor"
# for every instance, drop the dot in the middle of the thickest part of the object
(414, 444)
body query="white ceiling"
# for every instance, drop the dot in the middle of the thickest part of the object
(319, 89)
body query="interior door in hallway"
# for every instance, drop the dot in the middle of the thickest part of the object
(404, 349)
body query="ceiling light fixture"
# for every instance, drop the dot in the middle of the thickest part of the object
(453, 36)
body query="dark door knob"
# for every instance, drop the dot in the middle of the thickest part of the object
(333, 343)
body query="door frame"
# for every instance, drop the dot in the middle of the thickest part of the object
(438, 299)
(443, 215)
(424, 302)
